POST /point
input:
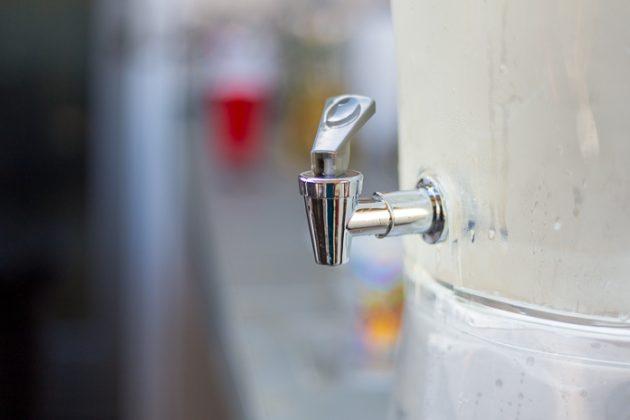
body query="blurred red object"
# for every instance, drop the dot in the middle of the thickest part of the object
(237, 124)
(242, 67)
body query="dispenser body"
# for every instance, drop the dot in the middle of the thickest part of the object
(519, 111)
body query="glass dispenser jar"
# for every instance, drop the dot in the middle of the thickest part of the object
(519, 110)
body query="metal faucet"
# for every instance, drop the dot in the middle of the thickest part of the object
(331, 191)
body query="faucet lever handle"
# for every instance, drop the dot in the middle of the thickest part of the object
(343, 116)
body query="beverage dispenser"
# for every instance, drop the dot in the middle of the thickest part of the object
(515, 185)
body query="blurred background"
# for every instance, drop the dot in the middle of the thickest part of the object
(155, 257)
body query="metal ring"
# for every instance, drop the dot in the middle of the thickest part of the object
(438, 230)
(391, 215)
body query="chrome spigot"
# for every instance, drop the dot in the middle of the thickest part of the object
(331, 191)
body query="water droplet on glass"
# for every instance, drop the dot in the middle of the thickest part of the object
(498, 383)
(491, 234)
(343, 112)
(558, 224)
(530, 361)
(520, 395)
(503, 68)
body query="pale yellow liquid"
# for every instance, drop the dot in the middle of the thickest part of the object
(522, 111)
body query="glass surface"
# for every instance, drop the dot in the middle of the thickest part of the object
(520, 111)
(463, 360)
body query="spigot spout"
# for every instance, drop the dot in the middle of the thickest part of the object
(329, 203)
(331, 191)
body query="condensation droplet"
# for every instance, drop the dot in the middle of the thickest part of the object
(491, 234)
(498, 383)
(557, 224)
(520, 395)
(530, 361)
